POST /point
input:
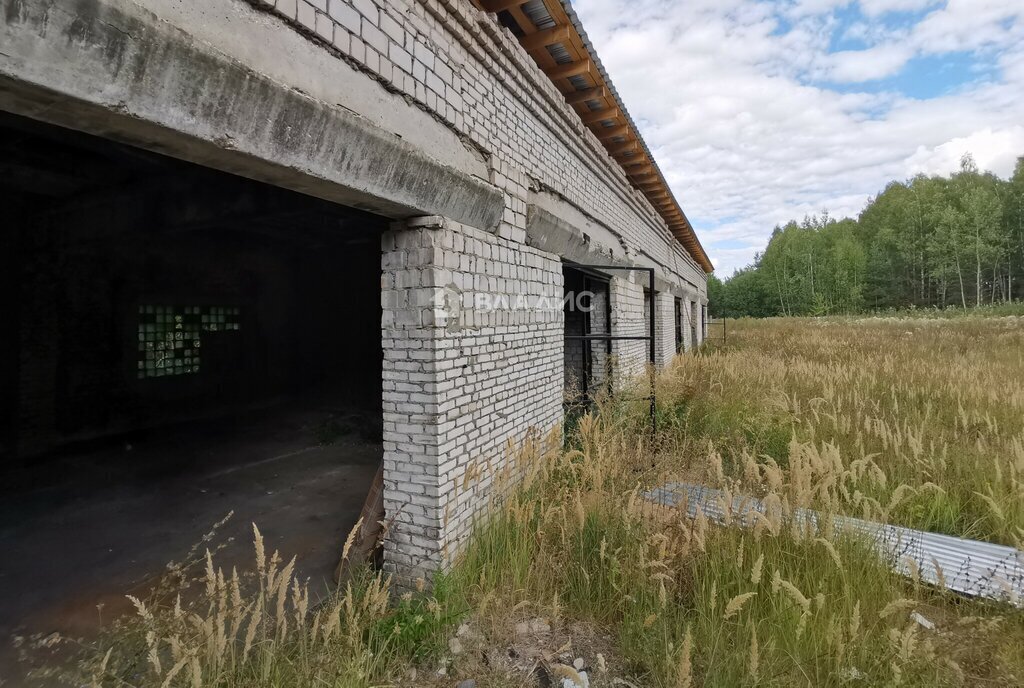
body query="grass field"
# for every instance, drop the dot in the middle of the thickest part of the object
(913, 421)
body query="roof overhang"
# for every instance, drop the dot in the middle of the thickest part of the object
(552, 34)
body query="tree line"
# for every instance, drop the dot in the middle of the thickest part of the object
(926, 242)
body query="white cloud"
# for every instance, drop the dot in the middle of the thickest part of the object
(869, 64)
(725, 93)
(994, 150)
(733, 257)
(875, 8)
(969, 25)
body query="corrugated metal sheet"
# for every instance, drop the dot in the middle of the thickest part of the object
(559, 54)
(538, 14)
(579, 82)
(978, 569)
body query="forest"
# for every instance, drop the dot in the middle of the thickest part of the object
(940, 242)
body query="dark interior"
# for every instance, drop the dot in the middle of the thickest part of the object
(586, 313)
(140, 291)
(178, 344)
(677, 320)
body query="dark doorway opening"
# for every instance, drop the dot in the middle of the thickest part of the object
(180, 343)
(587, 312)
(695, 322)
(678, 320)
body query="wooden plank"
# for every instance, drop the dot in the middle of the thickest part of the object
(639, 161)
(542, 39)
(622, 148)
(524, 22)
(603, 132)
(600, 115)
(576, 47)
(643, 170)
(564, 71)
(371, 531)
(542, 58)
(648, 185)
(596, 93)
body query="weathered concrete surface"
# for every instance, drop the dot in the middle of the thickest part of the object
(255, 38)
(551, 233)
(88, 528)
(399, 107)
(114, 69)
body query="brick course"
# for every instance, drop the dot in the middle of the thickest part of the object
(665, 334)
(473, 75)
(428, 96)
(462, 383)
(629, 358)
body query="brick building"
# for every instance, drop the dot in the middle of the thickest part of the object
(215, 203)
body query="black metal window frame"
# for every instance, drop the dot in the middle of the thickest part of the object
(650, 338)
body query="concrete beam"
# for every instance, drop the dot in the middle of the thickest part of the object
(111, 68)
(549, 232)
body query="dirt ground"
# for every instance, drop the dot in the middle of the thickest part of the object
(510, 651)
(79, 531)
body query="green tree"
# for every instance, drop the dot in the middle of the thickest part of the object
(983, 215)
(716, 297)
(946, 251)
(1013, 221)
(928, 241)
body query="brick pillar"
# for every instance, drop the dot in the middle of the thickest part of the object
(410, 402)
(665, 332)
(702, 328)
(599, 362)
(472, 331)
(695, 322)
(627, 299)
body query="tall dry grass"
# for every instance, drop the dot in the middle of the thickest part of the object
(912, 422)
(918, 422)
(696, 604)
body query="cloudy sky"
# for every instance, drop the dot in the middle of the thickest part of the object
(761, 111)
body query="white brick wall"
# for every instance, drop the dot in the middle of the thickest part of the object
(599, 325)
(691, 322)
(665, 334)
(462, 385)
(459, 384)
(460, 65)
(629, 357)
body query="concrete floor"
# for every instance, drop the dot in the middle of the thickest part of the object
(83, 530)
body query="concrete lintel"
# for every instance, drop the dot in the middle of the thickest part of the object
(111, 68)
(430, 221)
(548, 232)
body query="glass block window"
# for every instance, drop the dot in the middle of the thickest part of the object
(171, 337)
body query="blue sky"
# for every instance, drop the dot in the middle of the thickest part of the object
(759, 112)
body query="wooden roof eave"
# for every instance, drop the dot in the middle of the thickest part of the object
(608, 120)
